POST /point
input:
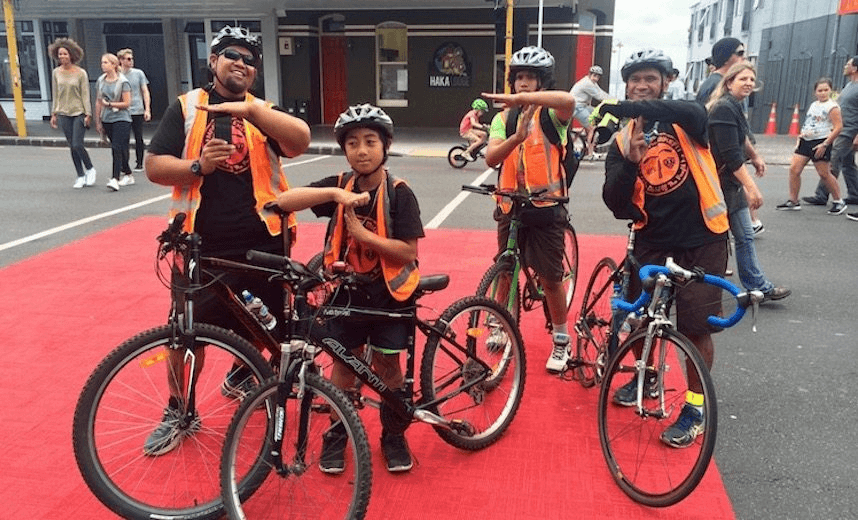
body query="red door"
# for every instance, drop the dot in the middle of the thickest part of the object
(334, 86)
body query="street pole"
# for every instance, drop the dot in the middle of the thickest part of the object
(14, 69)
(508, 42)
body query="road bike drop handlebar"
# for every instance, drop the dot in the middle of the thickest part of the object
(516, 196)
(676, 273)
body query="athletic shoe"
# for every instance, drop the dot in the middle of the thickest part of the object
(627, 395)
(466, 156)
(690, 424)
(815, 201)
(396, 453)
(837, 208)
(498, 339)
(789, 205)
(850, 201)
(126, 180)
(238, 383)
(170, 432)
(333, 458)
(79, 183)
(778, 293)
(113, 184)
(90, 176)
(138, 168)
(852, 216)
(758, 228)
(559, 355)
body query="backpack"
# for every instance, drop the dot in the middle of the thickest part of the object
(568, 159)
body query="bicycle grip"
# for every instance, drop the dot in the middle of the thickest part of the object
(177, 223)
(733, 319)
(263, 259)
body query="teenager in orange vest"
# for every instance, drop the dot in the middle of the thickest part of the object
(660, 174)
(531, 164)
(223, 186)
(374, 228)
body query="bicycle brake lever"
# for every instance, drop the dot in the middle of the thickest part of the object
(754, 308)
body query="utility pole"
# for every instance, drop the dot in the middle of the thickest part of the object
(507, 40)
(14, 69)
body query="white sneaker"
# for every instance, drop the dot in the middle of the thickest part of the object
(466, 156)
(113, 184)
(79, 183)
(126, 180)
(560, 355)
(90, 176)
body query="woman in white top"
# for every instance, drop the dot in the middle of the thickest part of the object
(822, 124)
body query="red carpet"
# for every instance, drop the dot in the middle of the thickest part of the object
(62, 311)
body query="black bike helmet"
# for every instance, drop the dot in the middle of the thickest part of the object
(236, 36)
(647, 58)
(364, 116)
(535, 59)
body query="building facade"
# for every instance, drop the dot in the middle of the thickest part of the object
(424, 62)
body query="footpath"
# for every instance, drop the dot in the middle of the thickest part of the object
(410, 142)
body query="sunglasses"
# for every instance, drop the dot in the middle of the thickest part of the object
(740, 53)
(234, 55)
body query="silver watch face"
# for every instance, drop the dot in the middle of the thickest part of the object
(196, 168)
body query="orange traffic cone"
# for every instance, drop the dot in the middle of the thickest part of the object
(771, 128)
(793, 125)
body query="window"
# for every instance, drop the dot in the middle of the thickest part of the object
(27, 62)
(391, 46)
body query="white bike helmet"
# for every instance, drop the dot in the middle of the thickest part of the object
(361, 116)
(595, 69)
(236, 36)
(647, 58)
(535, 59)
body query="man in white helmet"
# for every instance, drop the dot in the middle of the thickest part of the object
(585, 91)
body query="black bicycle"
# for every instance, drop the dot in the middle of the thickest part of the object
(469, 393)
(456, 155)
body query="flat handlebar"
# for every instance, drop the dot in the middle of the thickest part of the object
(517, 196)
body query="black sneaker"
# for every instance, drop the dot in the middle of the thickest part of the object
(396, 453)
(627, 395)
(682, 433)
(815, 201)
(789, 205)
(852, 216)
(239, 382)
(333, 458)
(170, 432)
(777, 293)
(837, 208)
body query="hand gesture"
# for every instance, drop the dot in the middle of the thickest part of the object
(637, 144)
(609, 106)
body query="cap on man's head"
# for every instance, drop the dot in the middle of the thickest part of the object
(723, 49)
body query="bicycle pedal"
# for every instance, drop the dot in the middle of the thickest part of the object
(463, 427)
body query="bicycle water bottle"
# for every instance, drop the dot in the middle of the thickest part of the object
(259, 309)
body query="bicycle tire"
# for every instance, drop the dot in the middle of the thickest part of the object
(317, 262)
(253, 488)
(454, 156)
(570, 264)
(594, 324)
(493, 283)
(646, 469)
(123, 401)
(482, 412)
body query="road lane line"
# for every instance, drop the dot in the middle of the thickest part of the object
(445, 212)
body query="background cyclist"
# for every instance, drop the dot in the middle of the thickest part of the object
(585, 90)
(472, 129)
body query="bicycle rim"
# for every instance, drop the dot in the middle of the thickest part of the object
(481, 396)
(646, 469)
(122, 404)
(454, 157)
(570, 264)
(496, 284)
(252, 485)
(594, 324)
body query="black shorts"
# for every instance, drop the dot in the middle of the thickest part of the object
(805, 148)
(542, 245)
(694, 302)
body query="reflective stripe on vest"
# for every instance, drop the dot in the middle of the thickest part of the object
(265, 167)
(702, 166)
(401, 279)
(542, 167)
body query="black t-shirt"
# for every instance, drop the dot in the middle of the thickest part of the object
(227, 219)
(728, 130)
(405, 217)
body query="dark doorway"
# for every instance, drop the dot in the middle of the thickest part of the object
(148, 57)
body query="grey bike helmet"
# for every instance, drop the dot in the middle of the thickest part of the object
(361, 116)
(595, 69)
(647, 58)
(535, 59)
(236, 36)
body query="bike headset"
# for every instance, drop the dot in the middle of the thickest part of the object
(644, 59)
(238, 36)
(534, 59)
(479, 104)
(364, 116)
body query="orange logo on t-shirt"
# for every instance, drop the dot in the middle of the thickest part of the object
(663, 168)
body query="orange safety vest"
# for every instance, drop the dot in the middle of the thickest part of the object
(265, 166)
(702, 166)
(541, 163)
(401, 279)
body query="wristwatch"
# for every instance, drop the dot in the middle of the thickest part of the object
(197, 168)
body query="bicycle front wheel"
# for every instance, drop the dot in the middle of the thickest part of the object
(644, 466)
(594, 324)
(472, 374)
(570, 264)
(123, 403)
(264, 479)
(497, 285)
(455, 156)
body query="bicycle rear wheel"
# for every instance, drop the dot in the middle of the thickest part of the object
(471, 382)
(645, 468)
(256, 485)
(455, 157)
(123, 402)
(570, 264)
(594, 324)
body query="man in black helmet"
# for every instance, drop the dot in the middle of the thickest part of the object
(220, 148)
(660, 174)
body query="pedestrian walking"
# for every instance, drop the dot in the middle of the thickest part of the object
(140, 108)
(113, 97)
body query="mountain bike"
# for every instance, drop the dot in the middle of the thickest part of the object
(456, 156)
(123, 399)
(510, 280)
(272, 455)
(665, 365)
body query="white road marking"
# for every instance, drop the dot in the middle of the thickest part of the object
(445, 212)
